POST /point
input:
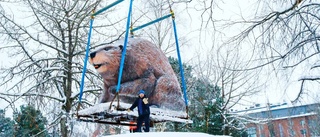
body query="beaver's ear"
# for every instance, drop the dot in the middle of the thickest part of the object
(121, 47)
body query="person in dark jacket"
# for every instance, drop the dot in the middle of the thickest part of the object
(143, 110)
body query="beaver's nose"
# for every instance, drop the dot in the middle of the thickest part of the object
(92, 55)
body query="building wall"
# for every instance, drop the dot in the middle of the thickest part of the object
(289, 127)
(300, 121)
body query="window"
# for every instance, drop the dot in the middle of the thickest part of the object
(302, 123)
(291, 123)
(281, 130)
(312, 124)
(292, 133)
(303, 131)
(252, 132)
(290, 128)
(313, 128)
(261, 131)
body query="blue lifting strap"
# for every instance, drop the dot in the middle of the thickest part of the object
(124, 47)
(180, 62)
(85, 60)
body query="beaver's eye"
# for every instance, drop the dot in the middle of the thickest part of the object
(107, 48)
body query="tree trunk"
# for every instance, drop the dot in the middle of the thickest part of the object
(64, 128)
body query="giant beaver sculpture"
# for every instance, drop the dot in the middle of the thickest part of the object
(145, 68)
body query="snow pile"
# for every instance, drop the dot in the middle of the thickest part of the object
(166, 134)
(157, 114)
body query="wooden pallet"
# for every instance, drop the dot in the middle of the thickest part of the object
(101, 113)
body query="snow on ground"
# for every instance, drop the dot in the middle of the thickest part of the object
(166, 134)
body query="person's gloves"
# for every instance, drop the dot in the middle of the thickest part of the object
(145, 100)
(129, 110)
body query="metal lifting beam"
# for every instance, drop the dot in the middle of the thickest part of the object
(107, 7)
(147, 24)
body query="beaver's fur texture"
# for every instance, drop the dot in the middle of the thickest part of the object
(146, 67)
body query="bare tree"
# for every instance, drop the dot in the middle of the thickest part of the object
(45, 41)
(220, 68)
(284, 37)
(161, 33)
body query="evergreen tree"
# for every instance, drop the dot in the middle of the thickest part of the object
(6, 125)
(186, 68)
(30, 122)
(205, 107)
(206, 101)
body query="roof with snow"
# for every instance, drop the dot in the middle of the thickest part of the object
(280, 111)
